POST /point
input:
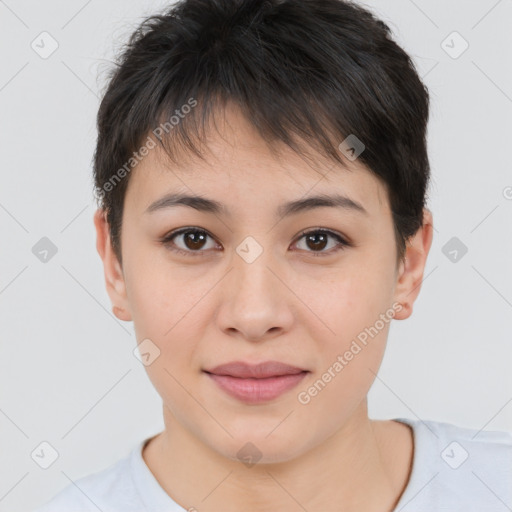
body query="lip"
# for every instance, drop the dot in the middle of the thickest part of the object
(258, 383)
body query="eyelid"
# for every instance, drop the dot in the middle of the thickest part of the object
(167, 239)
(327, 231)
(343, 242)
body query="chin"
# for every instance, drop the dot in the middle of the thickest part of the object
(260, 448)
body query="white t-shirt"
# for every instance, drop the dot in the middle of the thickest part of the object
(454, 469)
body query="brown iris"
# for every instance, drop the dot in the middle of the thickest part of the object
(194, 240)
(319, 240)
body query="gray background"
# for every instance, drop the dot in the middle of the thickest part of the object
(68, 375)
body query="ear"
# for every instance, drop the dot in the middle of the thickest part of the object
(114, 278)
(410, 273)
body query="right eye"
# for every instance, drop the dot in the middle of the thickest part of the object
(192, 240)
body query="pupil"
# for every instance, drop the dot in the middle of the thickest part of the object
(194, 237)
(314, 236)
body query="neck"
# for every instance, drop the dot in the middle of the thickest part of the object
(353, 470)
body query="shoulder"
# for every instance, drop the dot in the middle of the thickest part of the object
(466, 468)
(460, 444)
(108, 490)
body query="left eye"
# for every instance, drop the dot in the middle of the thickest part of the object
(318, 240)
(194, 239)
(197, 239)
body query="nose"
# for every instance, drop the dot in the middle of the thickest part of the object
(255, 303)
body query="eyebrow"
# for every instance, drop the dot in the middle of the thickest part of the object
(204, 204)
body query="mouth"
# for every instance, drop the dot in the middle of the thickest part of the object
(253, 384)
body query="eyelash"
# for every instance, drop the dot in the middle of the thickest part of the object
(167, 241)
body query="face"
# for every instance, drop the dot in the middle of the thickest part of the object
(314, 288)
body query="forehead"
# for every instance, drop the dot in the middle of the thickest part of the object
(238, 166)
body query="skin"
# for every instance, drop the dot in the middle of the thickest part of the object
(287, 305)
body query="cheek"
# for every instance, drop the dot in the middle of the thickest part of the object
(350, 355)
(355, 303)
(351, 298)
(167, 309)
(159, 293)
(169, 306)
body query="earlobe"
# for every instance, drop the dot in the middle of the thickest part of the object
(121, 313)
(114, 279)
(411, 272)
(403, 311)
